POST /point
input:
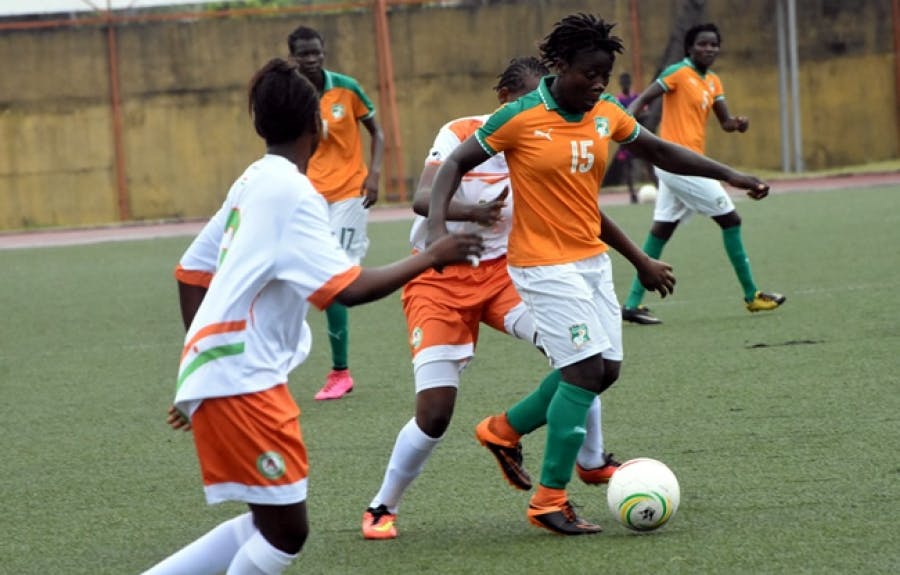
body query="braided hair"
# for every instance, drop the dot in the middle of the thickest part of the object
(519, 69)
(578, 33)
(284, 105)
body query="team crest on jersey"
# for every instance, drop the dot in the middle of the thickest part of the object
(579, 335)
(338, 111)
(415, 339)
(602, 125)
(270, 464)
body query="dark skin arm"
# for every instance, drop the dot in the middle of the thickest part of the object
(376, 152)
(679, 160)
(189, 298)
(468, 155)
(728, 122)
(653, 274)
(650, 93)
(370, 285)
(486, 214)
(376, 283)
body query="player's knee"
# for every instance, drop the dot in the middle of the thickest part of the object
(729, 220)
(435, 427)
(588, 373)
(610, 374)
(295, 537)
(434, 420)
(434, 410)
(663, 230)
(284, 527)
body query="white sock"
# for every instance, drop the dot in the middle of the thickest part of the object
(258, 557)
(411, 450)
(211, 553)
(592, 454)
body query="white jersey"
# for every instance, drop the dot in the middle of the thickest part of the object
(481, 185)
(273, 254)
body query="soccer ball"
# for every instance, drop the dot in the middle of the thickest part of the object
(643, 494)
(647, 194)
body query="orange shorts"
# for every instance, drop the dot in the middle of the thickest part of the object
(251, 448)
(443, 310)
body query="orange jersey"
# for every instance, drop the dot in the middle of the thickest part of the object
(556, 163)
(688, 99)
(337, 169)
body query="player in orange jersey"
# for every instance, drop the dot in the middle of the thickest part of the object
(555, 140)
(338, 171)
(444, 311)
(270, 254)
(690, 90)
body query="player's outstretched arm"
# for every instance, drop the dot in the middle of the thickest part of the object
(680, 160)
(653, 274)
(376, 283)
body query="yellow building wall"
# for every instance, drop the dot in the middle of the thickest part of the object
(187, 133)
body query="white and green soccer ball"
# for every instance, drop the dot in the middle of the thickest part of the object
(643, 494)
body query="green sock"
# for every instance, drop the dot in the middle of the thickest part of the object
(565, 433)
(530, 412)
(653, 247)
(338, 334)
(734, 247)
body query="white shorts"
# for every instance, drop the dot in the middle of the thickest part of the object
(680, 196)
(575, 309)
(348, 220)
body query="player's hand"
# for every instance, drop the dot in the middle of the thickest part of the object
(370, 192)
(657, 276)
(489, 213)
(454, 248)
(756, 188)
(739, 123)
(176, 420)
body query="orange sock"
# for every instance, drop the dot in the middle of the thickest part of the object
(500, 426)
(549, 497)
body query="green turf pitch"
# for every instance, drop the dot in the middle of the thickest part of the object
(783, 428)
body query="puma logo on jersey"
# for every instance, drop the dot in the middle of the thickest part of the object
(543, 134)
